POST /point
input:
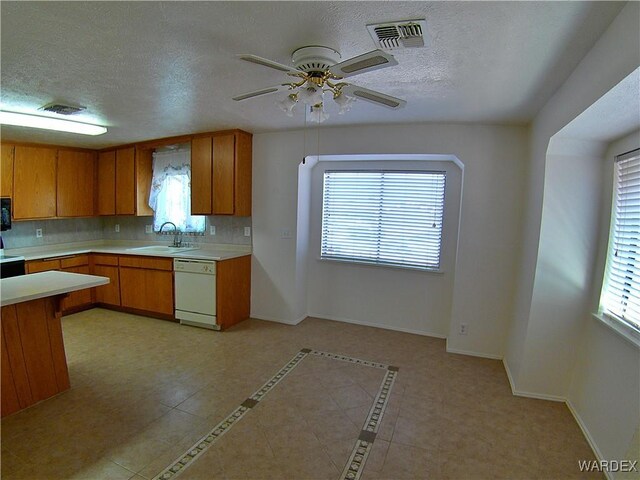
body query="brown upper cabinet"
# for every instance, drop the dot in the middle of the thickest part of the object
(6, 170)
(51, 181)
(34, 182)
(221, 174)
(107, 183)
(76, 183)
(124, 181)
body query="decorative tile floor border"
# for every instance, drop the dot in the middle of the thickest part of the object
(355, 465)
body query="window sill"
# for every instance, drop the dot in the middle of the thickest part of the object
(622, 329)
(379, 265)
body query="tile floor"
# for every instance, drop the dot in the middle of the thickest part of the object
(144, 391)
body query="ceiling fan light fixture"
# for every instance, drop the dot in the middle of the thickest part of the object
(310, 94)
(315, 72)
(344, 102)
(317, 113)
(288, 103)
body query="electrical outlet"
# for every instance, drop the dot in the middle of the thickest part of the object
(212, 229)
(247, 231)
(148, 229)
(117, 227)
(285, 233)
(38, 233)
(464, 329)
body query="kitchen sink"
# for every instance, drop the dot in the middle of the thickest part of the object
(161, 249)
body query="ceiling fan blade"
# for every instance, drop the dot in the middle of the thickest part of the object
(258, 93)
(267, 63)
(367, 62)
(373, 96)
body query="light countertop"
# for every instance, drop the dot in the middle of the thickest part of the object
(45, 284)
(202, 251)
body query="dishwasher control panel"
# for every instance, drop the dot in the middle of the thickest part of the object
(206, 267)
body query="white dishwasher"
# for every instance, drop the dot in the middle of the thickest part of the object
(195, 289)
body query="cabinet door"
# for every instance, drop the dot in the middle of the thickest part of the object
(110, 293)
(79, 298)
(6, 170)
(76, 183)
(243, 173)
(34, 182)
(223, 174)
(150, 290)
(125, 182)
(107, 183)
(144, 173)
(201, 176)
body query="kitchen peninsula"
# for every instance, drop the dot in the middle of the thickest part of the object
(34, 365)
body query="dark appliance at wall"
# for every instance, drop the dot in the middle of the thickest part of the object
(5, 212)
(10, 265)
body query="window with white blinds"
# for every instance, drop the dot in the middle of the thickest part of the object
(621, 291)
(383, 217)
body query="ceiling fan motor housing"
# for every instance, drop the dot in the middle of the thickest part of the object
(315, 58)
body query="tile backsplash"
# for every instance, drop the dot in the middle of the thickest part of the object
(23, 234)
(229, 230)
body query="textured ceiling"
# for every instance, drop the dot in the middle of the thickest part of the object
(155, 69)
(620, 106)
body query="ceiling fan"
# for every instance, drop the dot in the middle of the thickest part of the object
(316, 70)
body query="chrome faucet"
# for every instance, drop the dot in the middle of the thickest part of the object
(177, 237)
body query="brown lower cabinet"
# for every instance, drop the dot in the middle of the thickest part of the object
(74, 301)
(146, 283)
(107, 266)
(81, 299)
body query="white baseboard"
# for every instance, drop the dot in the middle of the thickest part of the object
(574, 412)
(278, 320)
(522, 393)
(588, 436)
(473, 354)
(377, 325)
(508, 370)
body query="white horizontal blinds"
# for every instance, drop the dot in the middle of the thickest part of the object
(383, 217)
(622, 294)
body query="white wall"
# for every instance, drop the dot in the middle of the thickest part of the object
(407, 300)
(613, 57)
(605, 389)
(566, 259)
(494, 159)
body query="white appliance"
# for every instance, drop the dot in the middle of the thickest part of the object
(195, 290)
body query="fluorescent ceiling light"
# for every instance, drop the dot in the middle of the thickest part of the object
(49, 123)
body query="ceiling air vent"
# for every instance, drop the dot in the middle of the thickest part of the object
(61, 109)
(397, 35)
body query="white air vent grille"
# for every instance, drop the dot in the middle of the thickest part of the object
(61, 109)
(396, 35)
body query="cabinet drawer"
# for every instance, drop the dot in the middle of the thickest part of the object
(152, 263)
(75, 261)
(35, 266)
(105, 259)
